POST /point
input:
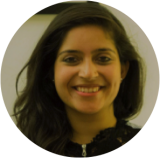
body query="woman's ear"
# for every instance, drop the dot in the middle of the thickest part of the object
(124, 69)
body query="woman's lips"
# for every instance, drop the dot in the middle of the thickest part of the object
(85, 92)
(87, 87)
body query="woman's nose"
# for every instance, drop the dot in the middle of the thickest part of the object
(88, 70)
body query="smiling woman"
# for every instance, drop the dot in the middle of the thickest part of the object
(84, 80)
(88, 84)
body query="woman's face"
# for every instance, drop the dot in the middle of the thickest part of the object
(87, 70)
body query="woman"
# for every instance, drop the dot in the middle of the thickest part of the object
(84, 80)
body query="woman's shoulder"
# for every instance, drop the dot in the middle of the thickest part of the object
(128, 129)
(132, 128)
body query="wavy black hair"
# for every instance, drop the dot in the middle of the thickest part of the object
(39, 112)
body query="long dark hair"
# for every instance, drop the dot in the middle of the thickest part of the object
(39, 111)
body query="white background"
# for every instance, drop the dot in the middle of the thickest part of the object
(29, 32)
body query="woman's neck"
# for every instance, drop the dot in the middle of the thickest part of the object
(86, 126)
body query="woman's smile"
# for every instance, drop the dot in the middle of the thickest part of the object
(87, 69)
(87, 90)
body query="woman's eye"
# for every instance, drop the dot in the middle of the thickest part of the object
(103, 59)
(71, 59)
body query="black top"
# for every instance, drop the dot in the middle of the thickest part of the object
(106, 141)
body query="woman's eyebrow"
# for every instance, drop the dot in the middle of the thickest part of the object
(94, 51)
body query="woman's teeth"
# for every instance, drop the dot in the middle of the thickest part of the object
(88, 90)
